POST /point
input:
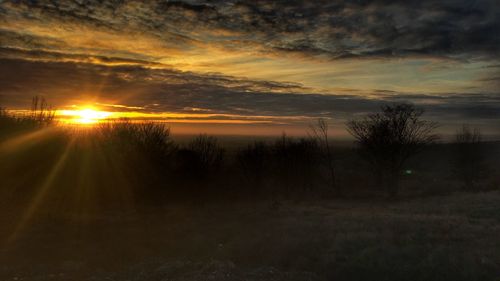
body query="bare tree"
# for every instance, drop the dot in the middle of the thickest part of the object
(209, 152)
(469, 156)
(389, 138)
(320, 134)
(201, 158)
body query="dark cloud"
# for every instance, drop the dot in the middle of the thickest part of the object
(338, 29)
(11, 38)
(161, 90)
(15, 53)
(68, 68)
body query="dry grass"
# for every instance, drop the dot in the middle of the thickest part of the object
(439, 238)
(74, 214)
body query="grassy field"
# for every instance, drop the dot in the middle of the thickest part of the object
(451, 237)
(124, 201)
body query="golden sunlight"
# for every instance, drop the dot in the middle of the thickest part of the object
(84, 116)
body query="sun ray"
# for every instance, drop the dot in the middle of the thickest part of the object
(41, 193)
(23, 141)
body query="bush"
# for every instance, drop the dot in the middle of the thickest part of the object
(142, 151)
(201, 158)
(296, 164)
(151, 140)
(254, 164)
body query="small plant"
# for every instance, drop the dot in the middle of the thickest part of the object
(41, 113)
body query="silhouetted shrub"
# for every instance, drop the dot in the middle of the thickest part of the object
(254, 164)
(201, 158)
(143, 152)
(296, 164)
(40, 115)
(149, 139)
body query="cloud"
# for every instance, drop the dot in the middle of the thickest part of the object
(344, 58)
(339, 29)
(163, 90)
(48, 56)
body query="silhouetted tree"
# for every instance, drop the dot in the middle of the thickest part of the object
(320, 134)
(149, 139)
(142, 151)
(201, 157)
(253, 161)
(469, 165)
(389, 138)
(296, 163)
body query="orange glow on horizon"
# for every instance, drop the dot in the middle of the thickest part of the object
(88, 115)
(84, 116)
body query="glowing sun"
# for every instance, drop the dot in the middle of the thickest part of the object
(85, 115)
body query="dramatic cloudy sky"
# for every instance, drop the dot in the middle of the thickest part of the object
(251, 66)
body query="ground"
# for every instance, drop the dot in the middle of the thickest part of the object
(452, 237)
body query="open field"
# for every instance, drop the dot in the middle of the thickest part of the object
(438, 238)
(249, 140)
(126, 201)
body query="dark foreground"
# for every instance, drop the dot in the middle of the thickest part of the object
(451, 237)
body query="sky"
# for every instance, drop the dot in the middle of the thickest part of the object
(255, 67)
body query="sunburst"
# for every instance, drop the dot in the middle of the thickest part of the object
(85, 116)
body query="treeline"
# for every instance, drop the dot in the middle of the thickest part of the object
(203, 169)
(142, 160)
